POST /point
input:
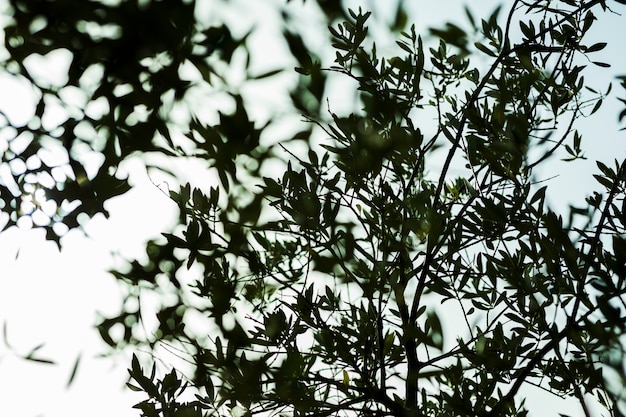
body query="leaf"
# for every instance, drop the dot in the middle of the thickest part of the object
(605, 169)
(70, 380)
(272, 188)
(389, 339)
(528, 31)
(596, 107)
(5, 337)
(596, 47)
(209, 388)
(133, 387)
(469, 16)
(266, 74)
(604, 181)
(171, 382)
(540, 194)
(40, 360)
(436, 331)
(588, 21)
(404, 46)
(484, 49)
(619, 248)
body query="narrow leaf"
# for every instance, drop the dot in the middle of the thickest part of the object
(74, 371)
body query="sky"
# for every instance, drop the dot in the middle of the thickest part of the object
(54, 298)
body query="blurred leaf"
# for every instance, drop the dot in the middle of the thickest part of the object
(70, 380)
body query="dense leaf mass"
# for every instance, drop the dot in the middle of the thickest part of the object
(405, 261)
(124, 75)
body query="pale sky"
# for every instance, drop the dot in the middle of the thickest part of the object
(52, 298)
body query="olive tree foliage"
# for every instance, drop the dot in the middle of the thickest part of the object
(369, 278)
(407, 263)
(131, 67)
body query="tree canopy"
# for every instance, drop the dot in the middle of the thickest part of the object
(399, 258)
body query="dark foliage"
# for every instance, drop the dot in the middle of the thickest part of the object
(408, 263)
